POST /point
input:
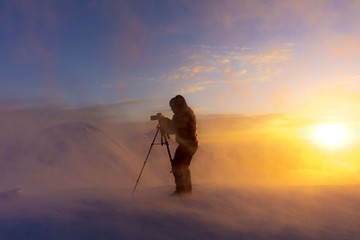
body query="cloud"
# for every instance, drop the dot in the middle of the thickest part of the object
(208, 67)
(273, 56)
(192, 89)
(192, 71)
(261, 16)
(355, 77)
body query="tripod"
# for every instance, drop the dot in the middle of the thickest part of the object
(163, 140)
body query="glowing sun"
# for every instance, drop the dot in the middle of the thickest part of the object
(331, 134)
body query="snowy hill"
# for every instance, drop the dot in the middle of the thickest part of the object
(69, 155)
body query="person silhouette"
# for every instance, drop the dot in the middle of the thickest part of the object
(183, 125)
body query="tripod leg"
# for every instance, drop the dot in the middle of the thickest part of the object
(165, 141)
(147, 156)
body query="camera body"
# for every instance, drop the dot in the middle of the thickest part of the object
(158, 116)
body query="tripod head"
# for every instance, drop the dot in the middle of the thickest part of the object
(159, 117)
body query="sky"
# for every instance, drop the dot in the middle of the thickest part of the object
(226, 57)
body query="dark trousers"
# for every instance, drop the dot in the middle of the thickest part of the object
(180, 167)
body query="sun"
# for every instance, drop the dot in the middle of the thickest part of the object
(331, 134)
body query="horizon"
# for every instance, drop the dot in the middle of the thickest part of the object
(295, 149)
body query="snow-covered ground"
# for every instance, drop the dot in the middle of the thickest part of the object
(72, 178)
(211, 213)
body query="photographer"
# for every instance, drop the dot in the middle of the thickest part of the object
(183, 125)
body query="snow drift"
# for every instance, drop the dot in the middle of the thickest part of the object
(68, 155)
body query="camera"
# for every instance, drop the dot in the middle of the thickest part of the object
(156, 117)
